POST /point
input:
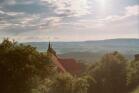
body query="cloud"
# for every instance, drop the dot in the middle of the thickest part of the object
(130, 11)
(29, 38)
(69, 7)
(121, 25)
(49, 23)
(10, 13)
(7, 2)
(22, 16)
(13, 2)
(33, 18)
(1, 12)
(17, 23)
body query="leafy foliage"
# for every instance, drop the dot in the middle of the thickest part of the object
(110, 74)
(133, 74)
(25, 70)
(136, 90)
(19, 65)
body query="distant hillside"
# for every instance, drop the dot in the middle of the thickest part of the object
(110, 41)
(83, 56)
(91, 50)
(90, 56)
(131, 42)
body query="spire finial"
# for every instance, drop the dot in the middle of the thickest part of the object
(49, 46)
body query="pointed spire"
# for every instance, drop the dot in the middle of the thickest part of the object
(50, 49)
(49, 46)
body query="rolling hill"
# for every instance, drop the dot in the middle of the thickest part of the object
(87, 50)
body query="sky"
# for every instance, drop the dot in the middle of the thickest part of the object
(68, 20)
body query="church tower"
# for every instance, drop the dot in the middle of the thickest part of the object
(50, 50)
(54, 58)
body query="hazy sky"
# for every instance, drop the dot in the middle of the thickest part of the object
(68, 20)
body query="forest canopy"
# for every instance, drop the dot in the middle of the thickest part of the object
(25, 70)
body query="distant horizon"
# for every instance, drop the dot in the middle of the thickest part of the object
(74, 41)
(86, 40)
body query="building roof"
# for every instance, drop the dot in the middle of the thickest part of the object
(64, 65)
(55, 60)
(70, 65)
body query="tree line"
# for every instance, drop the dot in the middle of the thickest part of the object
(25, 70)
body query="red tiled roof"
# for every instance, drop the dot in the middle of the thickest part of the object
(63, 65)
(70, 65)
(57, 63)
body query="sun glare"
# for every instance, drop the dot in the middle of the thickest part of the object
(102, 2)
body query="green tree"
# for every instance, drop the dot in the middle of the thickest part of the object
(136, 90)
(19, 66)
(133, 74)
(62, 83)
(110, 74)
(81, 84)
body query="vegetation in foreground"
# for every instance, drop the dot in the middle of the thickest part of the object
(25, 70)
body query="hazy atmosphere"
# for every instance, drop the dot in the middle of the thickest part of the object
(69, 46)
(68, 20)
